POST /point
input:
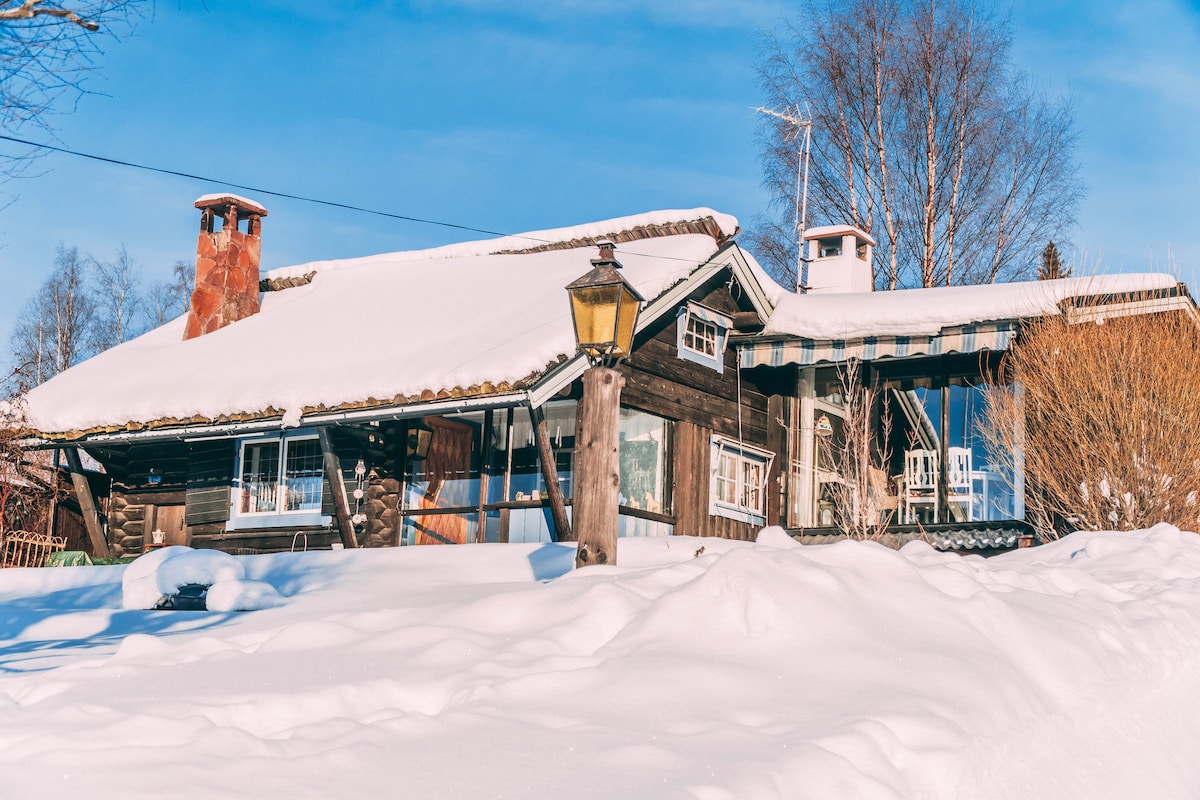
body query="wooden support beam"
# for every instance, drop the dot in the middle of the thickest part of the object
(333, 474)
(558, 505)
(87, 504)
(597, 467)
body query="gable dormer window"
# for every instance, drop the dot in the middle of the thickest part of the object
(702, 334)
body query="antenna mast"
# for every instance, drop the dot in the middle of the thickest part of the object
(804, 125)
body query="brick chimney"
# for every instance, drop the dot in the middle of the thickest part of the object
(226, 263)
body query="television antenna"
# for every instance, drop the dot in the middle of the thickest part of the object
(802, 127)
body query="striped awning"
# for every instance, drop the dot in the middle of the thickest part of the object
(804, 352)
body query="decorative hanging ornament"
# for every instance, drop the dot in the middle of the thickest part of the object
(823, 426)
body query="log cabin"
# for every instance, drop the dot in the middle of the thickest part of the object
(429, 397)
(423, 397)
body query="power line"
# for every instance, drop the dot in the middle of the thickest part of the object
(254, 189)
(285, 195)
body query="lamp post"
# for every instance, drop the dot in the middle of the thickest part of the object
(604, 310)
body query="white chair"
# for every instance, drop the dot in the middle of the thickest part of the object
(920, 483)
(959, 488)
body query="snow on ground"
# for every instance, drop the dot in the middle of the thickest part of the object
(698, 668)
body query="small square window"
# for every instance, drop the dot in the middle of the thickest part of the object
(702, 334)
(700, 337)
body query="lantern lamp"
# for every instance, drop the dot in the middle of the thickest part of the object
(419, 437)
(604, 309)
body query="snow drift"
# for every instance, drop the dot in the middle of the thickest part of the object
(698, 668)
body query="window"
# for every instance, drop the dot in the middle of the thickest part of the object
(280, 481)
(644, 462)
(738, 488)
(701, 335)
(830, 247)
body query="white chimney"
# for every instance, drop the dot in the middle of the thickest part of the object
(839, 259)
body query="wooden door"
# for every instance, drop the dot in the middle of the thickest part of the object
(448, 462)
(169, 520)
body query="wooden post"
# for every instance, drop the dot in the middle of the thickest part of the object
(333, 474)
(87, 504)
(558, 506)
(597, 467)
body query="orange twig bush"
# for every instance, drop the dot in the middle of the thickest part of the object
(1104, 420)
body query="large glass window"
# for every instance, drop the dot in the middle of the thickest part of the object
(260, 478)
(303, 473)
(643, 461)
(280, 481)
(944, 427)
(516, 466)
(482, 480)
(917, 452)
(443, 484)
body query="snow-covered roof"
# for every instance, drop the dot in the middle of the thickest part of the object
(377, 329)
(925, 312)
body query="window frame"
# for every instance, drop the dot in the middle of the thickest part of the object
(693, 313)
(746, 459)
(280, 516)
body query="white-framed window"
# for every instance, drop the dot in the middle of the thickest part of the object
(701, 334)
(278, 481)
(738, 480)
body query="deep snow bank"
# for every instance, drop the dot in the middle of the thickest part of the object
(739, 670)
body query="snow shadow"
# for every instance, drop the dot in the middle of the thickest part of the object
(83, 619)
(551, 561)
(35, 627)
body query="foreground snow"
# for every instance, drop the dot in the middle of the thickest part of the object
(698, 668)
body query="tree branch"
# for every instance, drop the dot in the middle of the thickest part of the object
(34, 8)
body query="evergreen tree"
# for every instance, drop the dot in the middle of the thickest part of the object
(1052, 266)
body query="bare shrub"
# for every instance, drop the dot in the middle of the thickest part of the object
(1104, 419)
(862, 505)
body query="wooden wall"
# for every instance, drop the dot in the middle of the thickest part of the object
(198, 477)
(702, 402)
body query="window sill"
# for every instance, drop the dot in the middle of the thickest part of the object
(287, 520)
(737, 514)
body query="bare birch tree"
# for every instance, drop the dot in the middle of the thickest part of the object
(46, 51)
(168, 299)
(923, 135)
(118, 302)
(54, 331)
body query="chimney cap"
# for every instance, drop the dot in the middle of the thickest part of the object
(827, 231)
(221, 202)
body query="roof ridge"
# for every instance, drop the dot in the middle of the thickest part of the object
(705, 225)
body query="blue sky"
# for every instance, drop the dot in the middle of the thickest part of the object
(513, 116)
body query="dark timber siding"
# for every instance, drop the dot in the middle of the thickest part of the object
(702, 402)
(210, 477)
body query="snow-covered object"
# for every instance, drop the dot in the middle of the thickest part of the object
(239, 595)
(369, 329)
(166, 570)
(924, 312)
(850, 670)
(243, 203)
